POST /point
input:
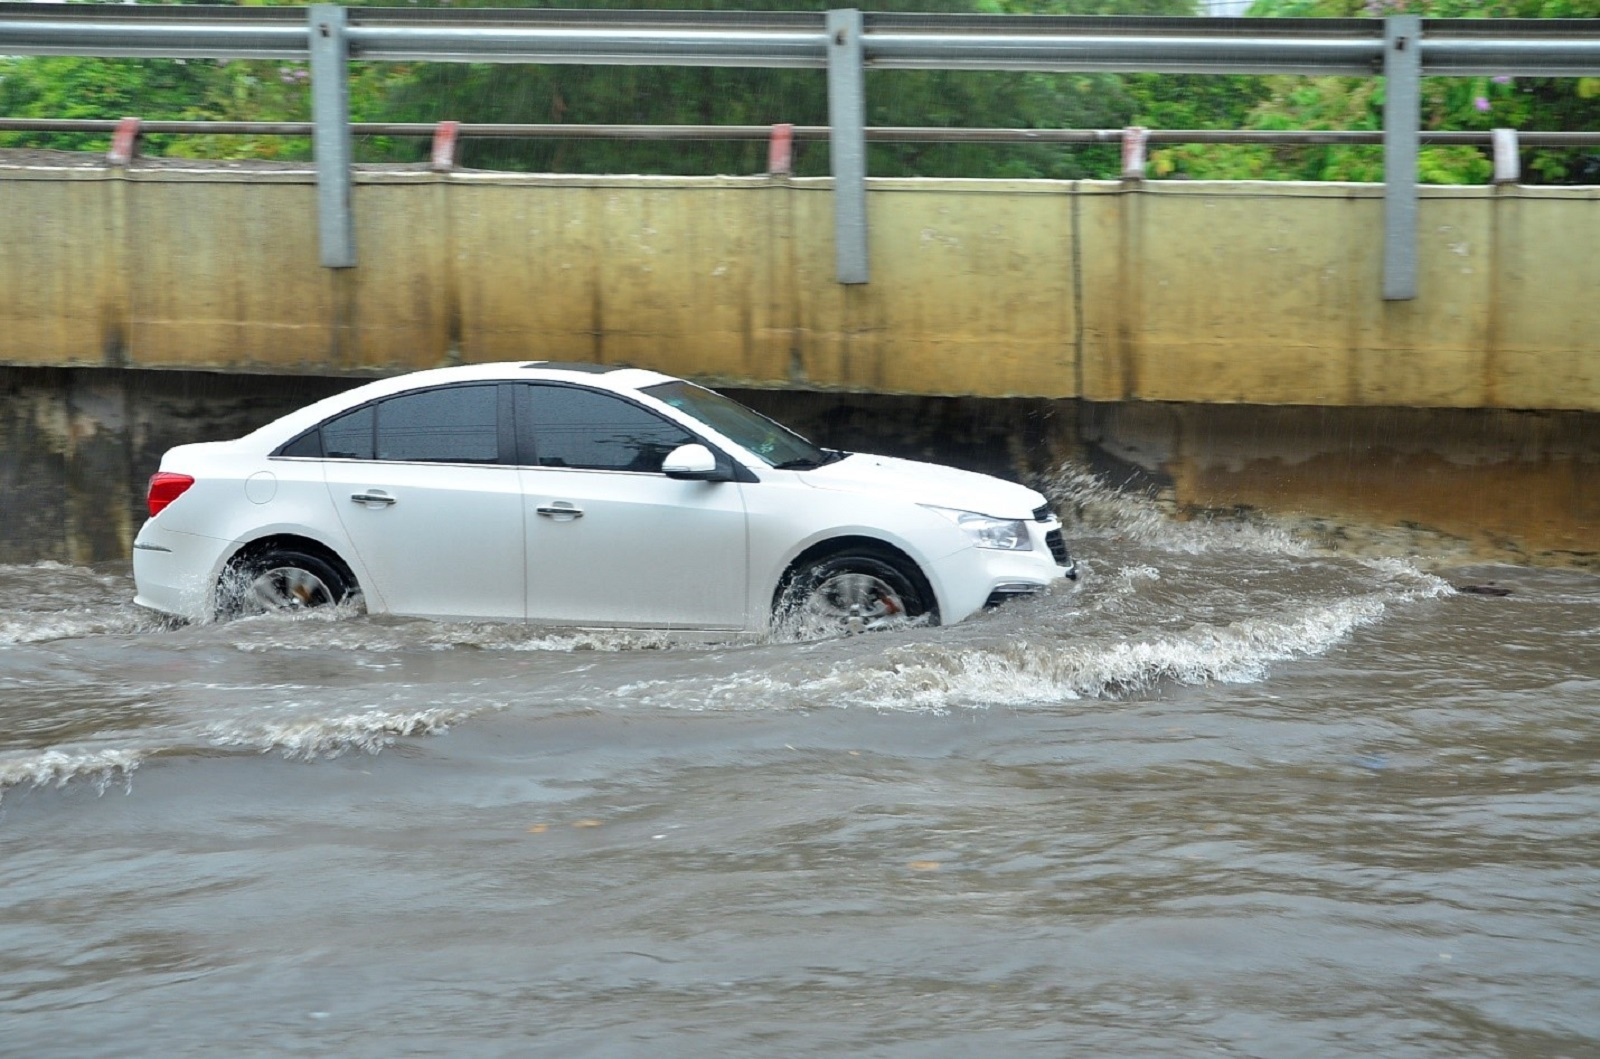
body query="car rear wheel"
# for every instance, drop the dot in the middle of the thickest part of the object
(280, 579)
(852, 592)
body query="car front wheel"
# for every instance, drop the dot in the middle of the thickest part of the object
(280, 579)
(851, 592)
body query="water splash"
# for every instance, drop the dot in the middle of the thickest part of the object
(328, 737)
(933, 676)
(58, 767)
(1090, 506)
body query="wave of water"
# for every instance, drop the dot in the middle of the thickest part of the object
(53, 601)
(300, 738)
(930, 676)
(1089, 505)
(56, 768)
(1162, 602)
(311, 737)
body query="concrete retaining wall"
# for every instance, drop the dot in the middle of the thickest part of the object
(77, 446)
(1265, 294)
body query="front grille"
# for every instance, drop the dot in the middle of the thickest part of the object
(1058, 547)
(1042, 513)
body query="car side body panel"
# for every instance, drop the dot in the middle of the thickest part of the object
(436, 540)
(619, 548)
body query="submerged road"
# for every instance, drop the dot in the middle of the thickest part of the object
(1231, 795)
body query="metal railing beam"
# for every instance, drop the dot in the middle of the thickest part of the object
(1450, 47)
(592, 47)
(808, 133)
(1123, 54)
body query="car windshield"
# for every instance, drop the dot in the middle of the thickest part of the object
(777, 445)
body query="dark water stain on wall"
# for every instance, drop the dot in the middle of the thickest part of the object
(77, 447)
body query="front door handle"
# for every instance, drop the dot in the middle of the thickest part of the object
(561, 510)
(383, 499)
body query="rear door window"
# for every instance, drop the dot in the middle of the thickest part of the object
(348, 437)
(569, 426)
(454, 424)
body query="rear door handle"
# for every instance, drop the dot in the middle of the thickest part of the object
(561, 510)
(383, 499)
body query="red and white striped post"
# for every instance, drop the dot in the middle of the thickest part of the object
(780, 151)
(445, 135)
(124, 142)
(1134, 139)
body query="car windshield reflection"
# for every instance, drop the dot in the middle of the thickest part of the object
(772, 442)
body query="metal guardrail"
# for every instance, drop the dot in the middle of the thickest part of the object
(1549, 47)
(1401, 48)
(798, 133)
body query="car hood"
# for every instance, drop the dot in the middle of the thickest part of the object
(926, 483)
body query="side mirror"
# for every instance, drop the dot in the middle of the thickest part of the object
(693, 463)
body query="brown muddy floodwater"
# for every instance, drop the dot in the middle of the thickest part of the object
(1230, 796)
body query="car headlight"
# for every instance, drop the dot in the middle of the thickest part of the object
(1002, 534)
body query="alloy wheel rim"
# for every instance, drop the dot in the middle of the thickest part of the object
(855, 602)
(288, 588)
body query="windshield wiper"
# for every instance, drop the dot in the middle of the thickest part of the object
(806, 463)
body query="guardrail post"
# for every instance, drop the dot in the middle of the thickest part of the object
(124, 142)
(330, 114)
(1507, 163)
(847, 143)
(780, 151)
(1134, 140)
(1402, 116)
(443, 157)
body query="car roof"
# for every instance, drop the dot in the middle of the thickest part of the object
(618, 378)
(603, 376)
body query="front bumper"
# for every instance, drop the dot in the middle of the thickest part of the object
(975, 578)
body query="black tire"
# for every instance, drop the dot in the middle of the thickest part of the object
(857, 590)
(280, 579)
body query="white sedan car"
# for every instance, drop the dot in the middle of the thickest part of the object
(579, 494)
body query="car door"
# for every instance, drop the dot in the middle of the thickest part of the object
(434, 514)
(611, 540)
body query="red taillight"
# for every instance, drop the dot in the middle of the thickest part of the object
(165, 487)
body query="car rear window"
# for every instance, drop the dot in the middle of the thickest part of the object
(455, 424)
(450, 424)
(348, 437)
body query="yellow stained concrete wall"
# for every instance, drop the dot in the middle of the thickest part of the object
(1188, 292)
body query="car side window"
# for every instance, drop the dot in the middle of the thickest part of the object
(567, 426)
(349, 437)
(453, 424)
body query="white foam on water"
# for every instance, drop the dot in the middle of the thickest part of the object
(35, 607)
(935, 675)
(58, 767)
(28, 628)
(1090, 506)
(327, 737)
(326, 629)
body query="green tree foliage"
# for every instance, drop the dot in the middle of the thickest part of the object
(678, 96)
(1545, 104)
(263, 91)
(266, 91)
(175, 90)
(76, 87)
